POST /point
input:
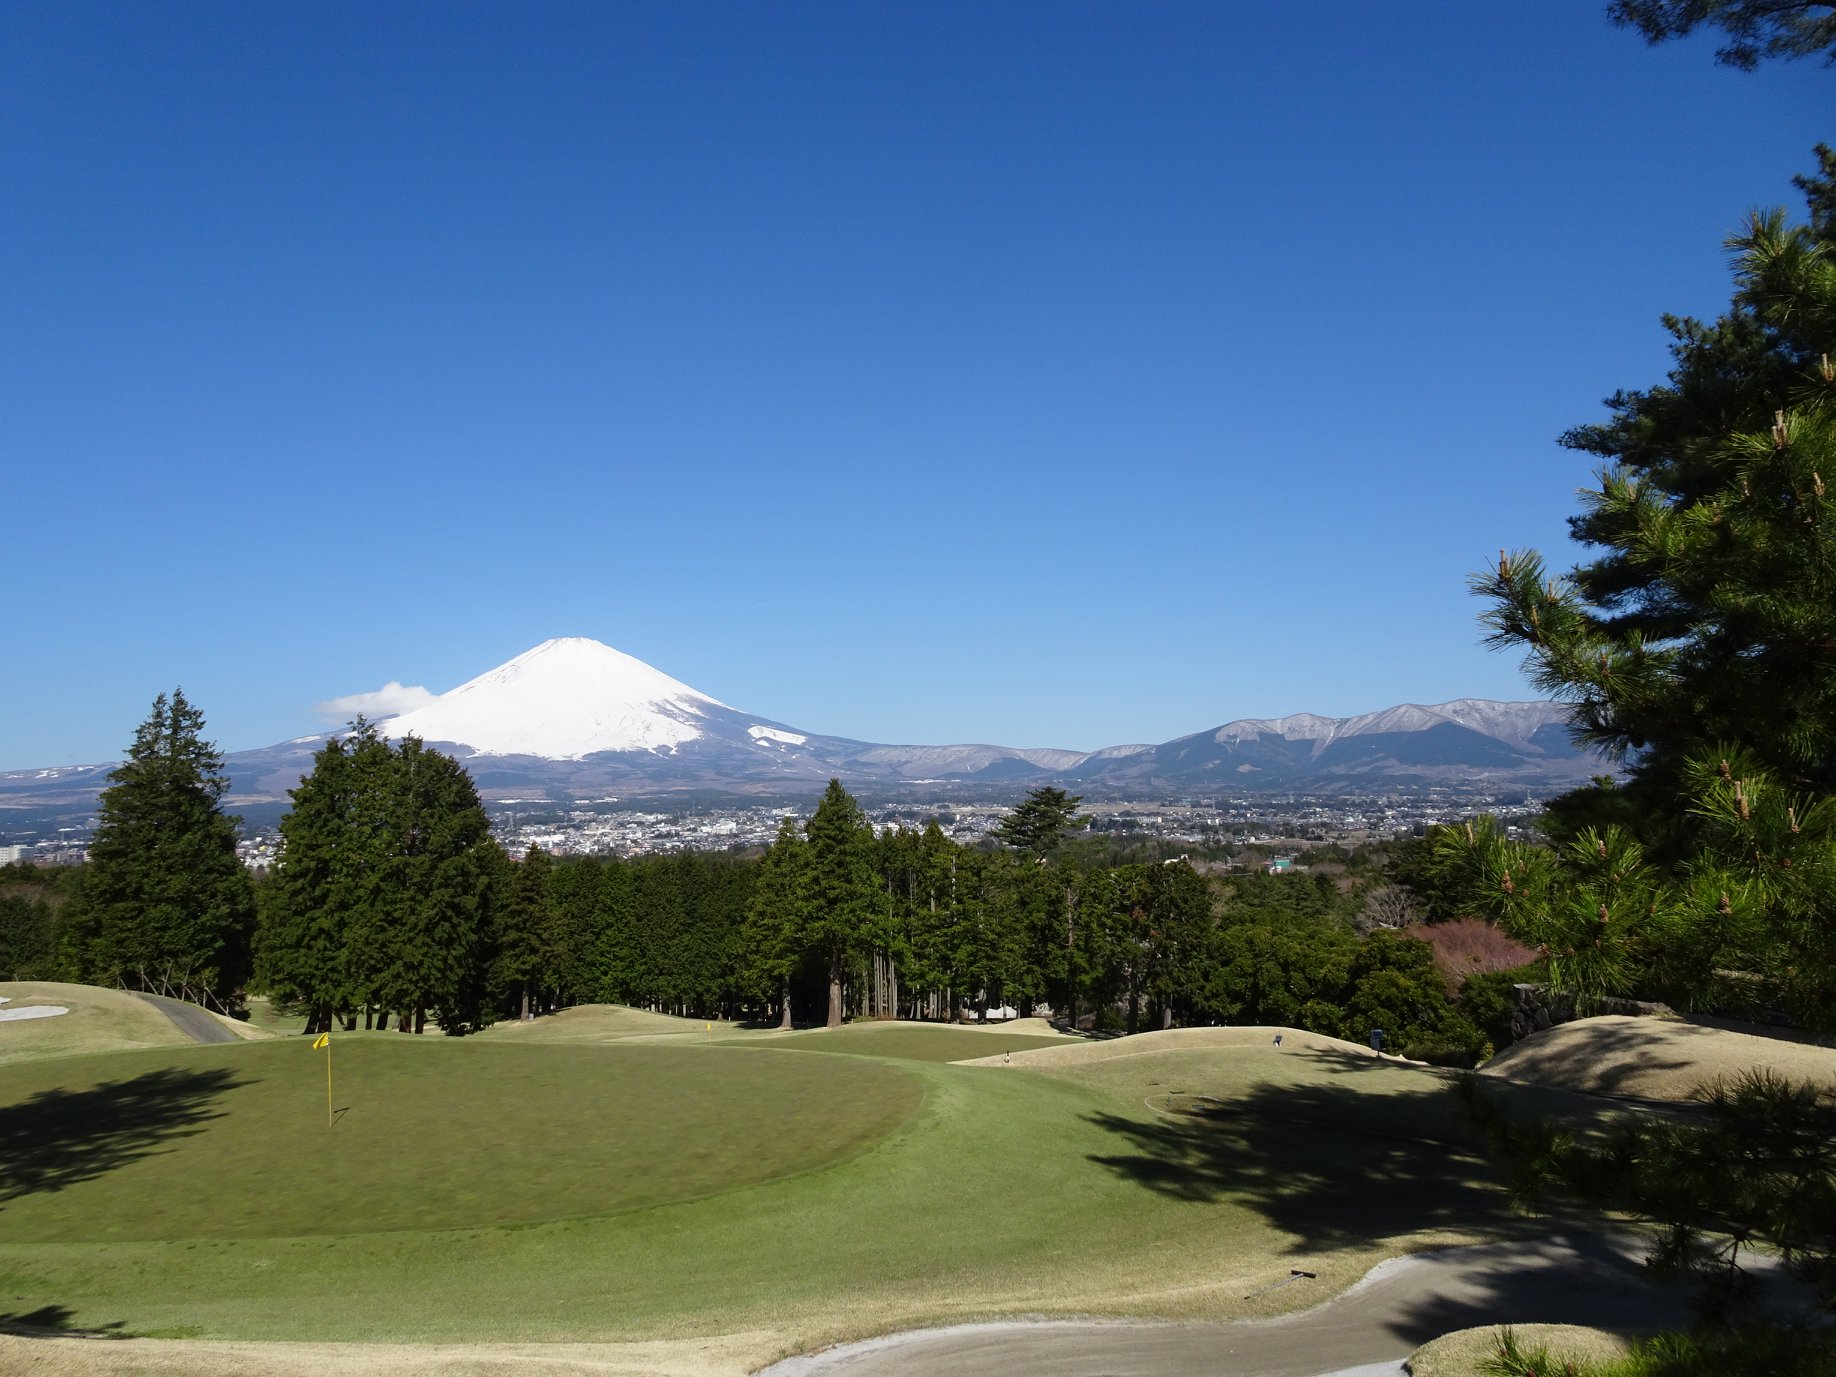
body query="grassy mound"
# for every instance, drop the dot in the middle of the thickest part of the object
(1464, 1352)
(1652, 1059)
(912, 1041)
(99, 1021)
(233, 1142)
(1078, 1052)
(607, 1023)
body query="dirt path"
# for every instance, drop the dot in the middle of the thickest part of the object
(1370, 1328)
(189, 1019)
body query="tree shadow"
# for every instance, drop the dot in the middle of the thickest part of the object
(53, 1320)
(1347, 1161)
(1602, 1063)
(60, 1137)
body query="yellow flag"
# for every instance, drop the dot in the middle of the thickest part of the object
(324, 1041)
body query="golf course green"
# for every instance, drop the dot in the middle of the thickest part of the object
(797, 1189)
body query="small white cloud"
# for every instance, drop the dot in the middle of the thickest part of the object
(390, 700)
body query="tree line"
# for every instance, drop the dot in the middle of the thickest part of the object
(391, 903)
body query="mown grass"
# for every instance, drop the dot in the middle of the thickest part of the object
(911, 1041)
(99, 1021)
(1005, 1191)
(233, 1141)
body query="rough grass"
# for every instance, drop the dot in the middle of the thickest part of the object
(1653, 1059)
(99, 1021)
(994, 1197)
(1464, 1352)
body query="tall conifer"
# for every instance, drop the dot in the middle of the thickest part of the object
(167, 905)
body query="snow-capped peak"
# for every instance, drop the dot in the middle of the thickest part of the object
(567, 698)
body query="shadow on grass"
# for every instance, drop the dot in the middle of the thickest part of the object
(49, 1320)
(1601, 1063)
(1347, 1161)
(59, 1137)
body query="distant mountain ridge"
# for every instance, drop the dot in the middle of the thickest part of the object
(575, 720)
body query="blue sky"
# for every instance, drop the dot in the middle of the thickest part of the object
(1042, 373)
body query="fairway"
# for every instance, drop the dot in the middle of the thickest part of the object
(232, 1141)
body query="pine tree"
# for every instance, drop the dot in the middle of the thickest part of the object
(1755, 29)
(1702, 642)
(167, 905)
(1708, 621)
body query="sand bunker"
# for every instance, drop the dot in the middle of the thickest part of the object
(25, 1011)
(1653, 1059)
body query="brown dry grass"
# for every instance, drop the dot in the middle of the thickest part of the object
(1460, 1353)
(1653, 1059)
(1168, 1040)
(729, 1355)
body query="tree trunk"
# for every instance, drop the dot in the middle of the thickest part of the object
(835, 990)
(526, 1013)
(420, 1019)
(1166, 1016)
(1134, 1009)
(369, 1016)
(784, 1017)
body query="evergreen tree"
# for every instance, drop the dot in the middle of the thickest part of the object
(522, 932)
(166, 906)
(439, 869)
(1039, 825)
(1709, 619)
(382, 894)
(1755, 28)
(1704, 642)
(300, 956)
(325, 927)
(844, 896)
(774, 939)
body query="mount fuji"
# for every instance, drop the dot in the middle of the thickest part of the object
(574, 720)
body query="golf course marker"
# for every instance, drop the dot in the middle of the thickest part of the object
(324, 1040)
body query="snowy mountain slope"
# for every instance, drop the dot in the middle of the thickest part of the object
(563, 700)
(576, 719)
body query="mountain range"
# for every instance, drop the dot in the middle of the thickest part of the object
(574, 720)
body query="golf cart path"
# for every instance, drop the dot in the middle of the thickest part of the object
(1369, 1328)
(189, 1019)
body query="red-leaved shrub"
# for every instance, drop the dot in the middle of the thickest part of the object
(1468, 946)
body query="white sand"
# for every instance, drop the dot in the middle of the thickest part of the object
(26, 1011)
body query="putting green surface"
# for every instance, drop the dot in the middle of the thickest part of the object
(233, 1142)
